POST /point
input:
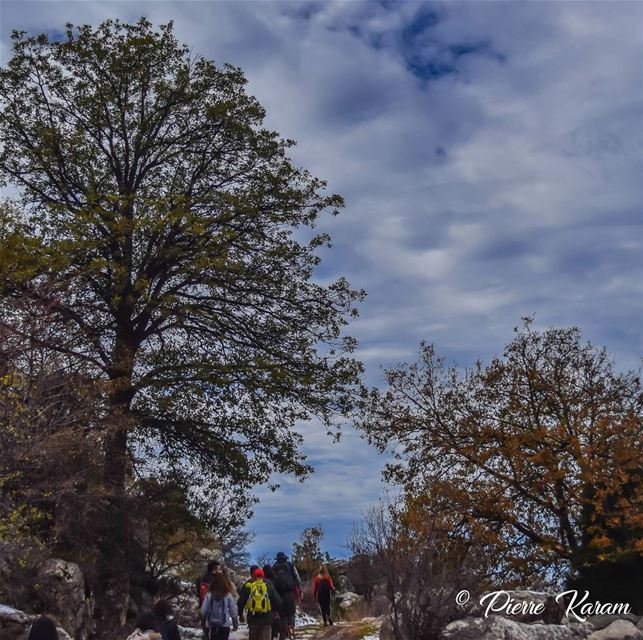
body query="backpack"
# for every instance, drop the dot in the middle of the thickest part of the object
(323, 588)
(284, 580)
(203, 590)
(216, 612)
(259, 602)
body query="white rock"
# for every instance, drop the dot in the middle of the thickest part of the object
(64, 593)
(348, 599)
(496, 628)
(14, 624)
(618, 630)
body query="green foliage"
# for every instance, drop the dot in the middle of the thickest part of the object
(163, 217)
(160, 217)
(307, 554)
(163, 243)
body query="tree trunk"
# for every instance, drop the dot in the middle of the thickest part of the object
(117, 547)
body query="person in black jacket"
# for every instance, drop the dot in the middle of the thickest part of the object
(287, 583)
(169, 629)
(259, 624)
(202, 583)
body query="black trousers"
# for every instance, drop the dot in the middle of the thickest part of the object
(323, 599)
(287, 613)
(220, 633)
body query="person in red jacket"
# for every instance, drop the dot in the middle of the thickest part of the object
(323, 588)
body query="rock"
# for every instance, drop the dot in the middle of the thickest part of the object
(18, 572)
(386, 629)
(190, 633)
(602, 621)
(348, 599)
(498, 628)
(618, 630)
(350, 606)
(186, 610)
(14, 624)
(63, 593)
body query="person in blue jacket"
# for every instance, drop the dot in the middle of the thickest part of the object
(219, 609)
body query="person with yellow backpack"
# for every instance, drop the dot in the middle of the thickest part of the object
(261, 599)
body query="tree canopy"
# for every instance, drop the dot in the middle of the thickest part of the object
(156, 225)
(166, 241)
(538, 452)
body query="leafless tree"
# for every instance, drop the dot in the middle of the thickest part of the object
(419, 565)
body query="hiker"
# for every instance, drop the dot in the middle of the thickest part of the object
(261, 599)
(147, 628)
(203, 582)
(219, 609)
(269, 574)
(43, 628)
(323, 588)
(287, 582)
(250, 572)
(169, 629)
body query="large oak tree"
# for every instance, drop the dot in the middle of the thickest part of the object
(166, 234)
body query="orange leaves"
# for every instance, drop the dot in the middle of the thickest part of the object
(541, 448)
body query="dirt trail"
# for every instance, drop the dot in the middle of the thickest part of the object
(366, 629)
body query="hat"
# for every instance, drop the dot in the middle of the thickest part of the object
(281, 555)
(258, 573)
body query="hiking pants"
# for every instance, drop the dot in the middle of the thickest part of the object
(323, 599)
(287, 613)
(220, 633)
(259, 632)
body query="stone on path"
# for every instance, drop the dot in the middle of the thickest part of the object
(618, 630)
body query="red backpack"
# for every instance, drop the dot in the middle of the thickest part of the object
(203, 590)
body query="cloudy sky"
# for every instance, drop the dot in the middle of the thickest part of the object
(490, 154)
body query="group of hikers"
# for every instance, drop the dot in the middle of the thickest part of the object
(269, 597)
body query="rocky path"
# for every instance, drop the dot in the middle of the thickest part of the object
(366, 629)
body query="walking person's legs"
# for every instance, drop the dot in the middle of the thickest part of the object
(275, 626)
(222, 633)
(254, 632)
(324, 605)
(322, 609)
(260, 631)
(287, 615)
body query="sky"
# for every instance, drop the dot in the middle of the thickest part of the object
(490, 155)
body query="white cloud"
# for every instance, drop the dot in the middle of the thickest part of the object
(509, 186)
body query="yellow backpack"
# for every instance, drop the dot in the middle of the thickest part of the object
(259, 602)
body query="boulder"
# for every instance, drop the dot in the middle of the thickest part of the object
(498, 628)
(186, 610)
(350, 606)
(618, 630)
(14, 624)
(602, 621)
(386, 629)
(348, 599)
(190, 633)
(62, 590)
